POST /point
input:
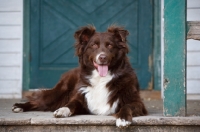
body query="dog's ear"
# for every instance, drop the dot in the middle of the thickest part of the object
(82, 36)
(119, 32)
(121, 35)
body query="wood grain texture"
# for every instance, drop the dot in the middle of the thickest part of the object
(175, 58)
(193, 30)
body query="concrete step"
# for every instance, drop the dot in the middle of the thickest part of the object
(44, 121)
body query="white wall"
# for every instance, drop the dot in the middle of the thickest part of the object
(193, 52)
(11, 27)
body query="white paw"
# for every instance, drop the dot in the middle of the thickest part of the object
(17, 109)
(62, 112)
(122, 123)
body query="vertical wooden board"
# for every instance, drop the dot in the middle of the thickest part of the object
(175, 58)
(157, 45)
(26, 45)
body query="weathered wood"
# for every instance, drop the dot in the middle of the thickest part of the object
(193, 30)
(157, 46)
(175, 58)
(26, 46)
(150, 95)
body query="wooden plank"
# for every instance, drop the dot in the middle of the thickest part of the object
(10, 59)
(150, 95)
(193, 59)
(11, 96)
(11, 5)
(193, 72)
(193, 45)
(26, 47)
(10, 32)
(193, 96)
(10, 73)
(10, 86)
(10, 46)
(193, 4)
(174, 99)
(193, 15)
(10, 18)
(193, 86)
(157, 45)
(193, 30)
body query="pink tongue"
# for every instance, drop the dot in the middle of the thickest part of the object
(103, 70)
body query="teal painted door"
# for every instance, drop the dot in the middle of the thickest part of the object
(53, 23)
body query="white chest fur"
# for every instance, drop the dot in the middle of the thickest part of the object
(97, 95)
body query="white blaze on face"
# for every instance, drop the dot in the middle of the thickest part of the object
(102, 69)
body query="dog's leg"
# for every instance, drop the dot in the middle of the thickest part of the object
(124, 116)
(32, 104)
(44, 100)
(37, 101)
(74, 107)
(21, 107)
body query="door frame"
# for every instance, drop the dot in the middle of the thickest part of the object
(26, 45)
(155, 59)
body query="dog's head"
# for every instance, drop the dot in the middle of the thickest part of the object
(102, 51)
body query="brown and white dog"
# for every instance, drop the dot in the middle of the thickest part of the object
(103, 84)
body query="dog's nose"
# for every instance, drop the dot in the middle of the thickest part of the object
(102, 58)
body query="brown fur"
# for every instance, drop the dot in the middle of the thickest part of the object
(124, 85)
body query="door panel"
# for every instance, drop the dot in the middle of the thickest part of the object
(53, 24)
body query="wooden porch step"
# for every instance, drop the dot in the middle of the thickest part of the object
(44, 121)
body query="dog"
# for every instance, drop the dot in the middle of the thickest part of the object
(103, 84)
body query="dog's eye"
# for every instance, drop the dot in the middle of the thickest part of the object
(95, 46)
(109, 46)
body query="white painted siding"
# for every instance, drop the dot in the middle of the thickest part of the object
(11, 27)
(193, 52)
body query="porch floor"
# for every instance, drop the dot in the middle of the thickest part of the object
(8, 119)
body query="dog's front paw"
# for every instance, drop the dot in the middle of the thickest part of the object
(122, 123)
(17, 109)
(62, 112)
